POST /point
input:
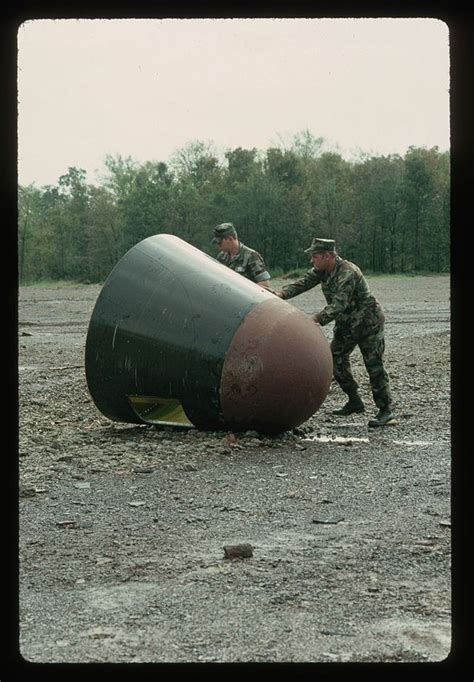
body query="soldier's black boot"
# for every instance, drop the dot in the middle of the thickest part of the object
(384, 416)
(353, 405)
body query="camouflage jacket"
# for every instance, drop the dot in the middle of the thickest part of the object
(246, 262)
(349, 301)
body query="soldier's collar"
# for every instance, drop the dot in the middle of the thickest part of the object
(232, 257)
(336, 266)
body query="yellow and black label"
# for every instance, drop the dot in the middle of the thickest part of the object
(155, 410)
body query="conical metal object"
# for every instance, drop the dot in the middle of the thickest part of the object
(176, 337)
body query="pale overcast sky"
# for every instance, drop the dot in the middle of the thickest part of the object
(146, 87)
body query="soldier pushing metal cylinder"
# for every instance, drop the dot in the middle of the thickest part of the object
(176, 337)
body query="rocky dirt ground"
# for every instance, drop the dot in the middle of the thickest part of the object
(122, 527)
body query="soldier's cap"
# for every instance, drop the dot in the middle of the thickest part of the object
(223, 230)
(318, 245)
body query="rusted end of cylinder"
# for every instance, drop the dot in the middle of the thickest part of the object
(277, 369)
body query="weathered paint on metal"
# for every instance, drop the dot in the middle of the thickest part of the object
(277, 370)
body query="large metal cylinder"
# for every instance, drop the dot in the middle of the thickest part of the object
(176, 337)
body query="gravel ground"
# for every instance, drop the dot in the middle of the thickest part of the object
(123, 527)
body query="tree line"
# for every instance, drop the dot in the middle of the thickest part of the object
(389, 214)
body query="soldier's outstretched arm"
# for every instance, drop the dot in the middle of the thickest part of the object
(308, 281)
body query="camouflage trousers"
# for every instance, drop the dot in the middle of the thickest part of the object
(372, 348)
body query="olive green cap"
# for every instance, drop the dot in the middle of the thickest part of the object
(318, 245)
(223, 230)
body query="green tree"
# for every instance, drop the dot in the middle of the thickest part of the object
(328, 195)
(307, 147)
(387, 214)
(375, 212)
(241, 165)
(29, 214)
(419, 191)
(73, 227)
(52, 238)
(199, 182)
(105, 244)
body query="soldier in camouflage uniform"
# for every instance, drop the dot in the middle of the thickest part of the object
(239, 257)
(359, 321)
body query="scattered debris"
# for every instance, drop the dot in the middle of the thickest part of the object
(27, 491)
(328, 519)
(62, 368)
(412, 442)
(101, 560)
(80, 525)
(68, 523)
(242, 551)
(63, 440)
(338, 440)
